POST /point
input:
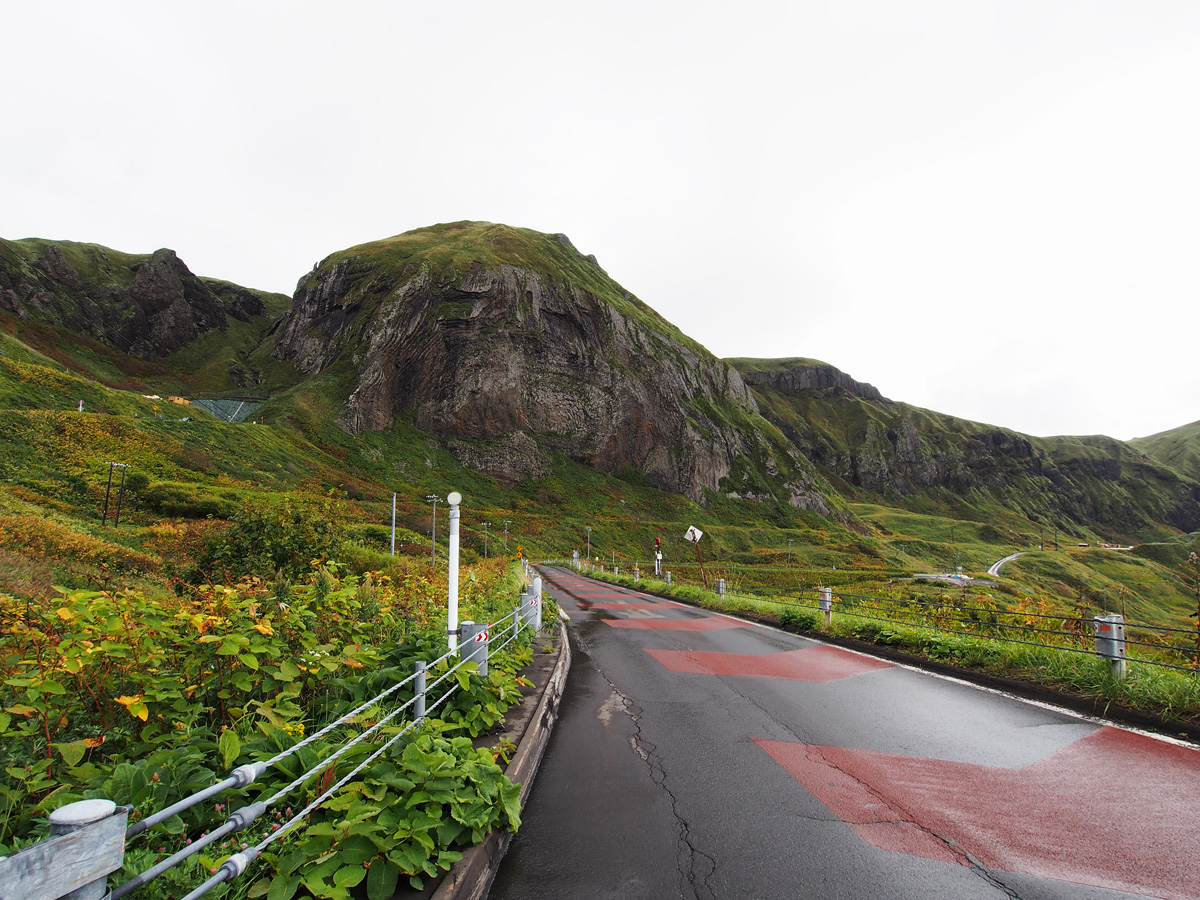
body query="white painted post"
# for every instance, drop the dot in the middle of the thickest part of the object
(419, 693)
(454, 498)
(71, 818)
(474, 647)
(827, 605)
(1110, 641)
(393, 523)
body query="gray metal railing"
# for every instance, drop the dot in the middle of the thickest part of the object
(88, 837)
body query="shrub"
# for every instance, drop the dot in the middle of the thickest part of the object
(187, 501)
(801, 619)
(281, 538)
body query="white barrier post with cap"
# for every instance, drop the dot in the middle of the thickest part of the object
(826, 595)
(474, 646)
(1110, 641)
(453, 498)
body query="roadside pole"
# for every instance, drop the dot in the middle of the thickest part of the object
(453, 498)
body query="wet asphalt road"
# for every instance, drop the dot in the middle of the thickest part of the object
(699, 756)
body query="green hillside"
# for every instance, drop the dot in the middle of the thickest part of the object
(916, 491)
(1178, 448)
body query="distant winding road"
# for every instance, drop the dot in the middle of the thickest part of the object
(994, 571)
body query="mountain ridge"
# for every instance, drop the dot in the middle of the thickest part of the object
(508, 345)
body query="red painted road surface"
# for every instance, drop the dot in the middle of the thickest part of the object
(815, 664)
(1115, 809)
(1051, 796)
(710, 623)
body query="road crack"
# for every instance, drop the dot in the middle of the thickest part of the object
(695, 867)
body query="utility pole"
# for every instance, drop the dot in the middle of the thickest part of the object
(434, 499)
(485, 538)
(506, 521)
(589, 543)
(790, 542)
(120, 493)
(393, 523)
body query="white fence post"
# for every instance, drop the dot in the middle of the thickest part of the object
(86, 844)
(453, 498)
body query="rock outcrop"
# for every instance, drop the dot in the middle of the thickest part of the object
(791, 376)
(889, 452)
(145, 306)
(513, 346)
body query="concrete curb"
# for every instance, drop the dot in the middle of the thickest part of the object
(471, 877)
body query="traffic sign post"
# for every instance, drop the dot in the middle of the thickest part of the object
(474, 646)
(694, 534)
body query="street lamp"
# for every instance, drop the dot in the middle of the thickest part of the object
(485, 538)
(435, 500)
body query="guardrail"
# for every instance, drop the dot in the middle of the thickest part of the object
(88, 837)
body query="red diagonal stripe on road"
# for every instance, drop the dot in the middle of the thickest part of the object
(814, 664)
(658, 605)
(1113, 810)
(707, 623)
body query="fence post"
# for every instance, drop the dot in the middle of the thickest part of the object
(518, 611)
(826, 595)
(1110, 641)
(637, 571)
(474, 646)
(721, 586)
(86, 844)
(668, 578)
(454, 498)
(419, 693)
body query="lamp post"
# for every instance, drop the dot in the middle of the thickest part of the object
(506, 521)
(485, 538)
(434, 499)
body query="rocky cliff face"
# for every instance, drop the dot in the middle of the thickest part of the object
(793, 376)
(146, 306)
(518, 346)
(892, 451)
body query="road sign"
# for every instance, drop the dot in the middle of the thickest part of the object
(693, 534)
(481, 638)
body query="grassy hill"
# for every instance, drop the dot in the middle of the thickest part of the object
(919, 491)
(1178, 448)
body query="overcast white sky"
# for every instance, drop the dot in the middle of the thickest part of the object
(990, 209)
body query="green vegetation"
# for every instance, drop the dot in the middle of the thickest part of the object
(251, 581)
(1060, 664)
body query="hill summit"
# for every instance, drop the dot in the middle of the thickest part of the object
(513, 345)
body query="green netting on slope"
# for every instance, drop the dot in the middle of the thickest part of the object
(228, 410)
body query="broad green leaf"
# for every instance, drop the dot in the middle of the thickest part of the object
(173, 825)
(229, 746)
(249, 660)
(356, 850)
(283, 887)
(381, 879)
(73, 752)
(349, 876)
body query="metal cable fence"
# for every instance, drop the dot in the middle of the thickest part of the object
(1155, 645)
(479, 642)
